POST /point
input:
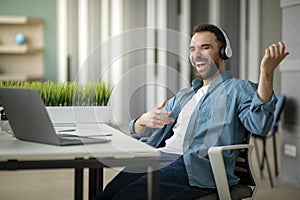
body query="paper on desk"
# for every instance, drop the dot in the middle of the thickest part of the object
(73, 132)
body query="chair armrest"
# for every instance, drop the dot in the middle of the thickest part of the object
(218, 167)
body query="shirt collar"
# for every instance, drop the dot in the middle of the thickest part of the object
(197, 83)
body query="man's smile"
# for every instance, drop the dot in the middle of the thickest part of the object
(200, 64)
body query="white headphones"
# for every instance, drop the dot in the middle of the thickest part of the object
(225, 51)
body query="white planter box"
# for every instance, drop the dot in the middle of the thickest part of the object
(80, 114)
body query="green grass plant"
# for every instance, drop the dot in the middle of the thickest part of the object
(68, 93)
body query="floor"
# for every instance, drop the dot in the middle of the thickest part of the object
(58, 184)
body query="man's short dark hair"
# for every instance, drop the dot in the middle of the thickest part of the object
(210, 28)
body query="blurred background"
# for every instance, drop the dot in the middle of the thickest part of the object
(141, 48)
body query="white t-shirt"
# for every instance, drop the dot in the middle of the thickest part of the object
(175, 143)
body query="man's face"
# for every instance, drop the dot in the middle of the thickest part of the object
(204, 55)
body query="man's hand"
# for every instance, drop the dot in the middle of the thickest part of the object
(274, 54)
(155, 118)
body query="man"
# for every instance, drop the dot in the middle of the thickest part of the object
(215, 111)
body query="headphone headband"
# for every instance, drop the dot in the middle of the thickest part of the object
(225, 52)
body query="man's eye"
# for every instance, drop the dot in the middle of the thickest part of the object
(205, 47)
(192, 49)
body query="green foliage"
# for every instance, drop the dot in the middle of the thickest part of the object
(69, 93)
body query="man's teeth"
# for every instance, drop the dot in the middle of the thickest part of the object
(200, 63)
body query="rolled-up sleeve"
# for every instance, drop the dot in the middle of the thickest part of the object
(260, 118)
(257, 103)
(148, 132)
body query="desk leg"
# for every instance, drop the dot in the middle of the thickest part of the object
(95, 181)
(78, 184)
(153, 188)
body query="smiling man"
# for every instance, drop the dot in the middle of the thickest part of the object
(205, 56)
(217, 110)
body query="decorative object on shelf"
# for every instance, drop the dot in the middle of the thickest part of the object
(22, 48)
(20, 38)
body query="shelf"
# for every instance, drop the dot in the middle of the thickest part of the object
(21, 77)
(18, 49)
(18, 20)
(26, 61)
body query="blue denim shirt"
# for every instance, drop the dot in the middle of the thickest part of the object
(221, 117)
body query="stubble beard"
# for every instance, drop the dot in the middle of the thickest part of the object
(208, 71)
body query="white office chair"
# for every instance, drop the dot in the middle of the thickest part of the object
(245, 189)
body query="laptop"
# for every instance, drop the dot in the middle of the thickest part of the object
(30, 121)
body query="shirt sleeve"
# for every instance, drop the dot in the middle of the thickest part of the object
(258, 117)
(148, 132)
(257, 104)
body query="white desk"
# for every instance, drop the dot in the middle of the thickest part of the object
(121, 151)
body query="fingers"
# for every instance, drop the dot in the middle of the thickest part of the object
(157, 121)
(160, 123)
(162, 104)
(274, 54)
(160, 117)
(267, 52)
(157, 117)
(273, 50)
(282, 49)
(159, 111)
(277, 50)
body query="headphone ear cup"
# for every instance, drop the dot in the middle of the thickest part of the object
(223, 53)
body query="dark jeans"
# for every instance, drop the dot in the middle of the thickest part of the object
(173, 184)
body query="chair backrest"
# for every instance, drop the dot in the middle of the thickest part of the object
(279, 108)
(246, 186)
(242, 167)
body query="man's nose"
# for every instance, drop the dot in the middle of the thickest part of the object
(198, 52)
(199, 49)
